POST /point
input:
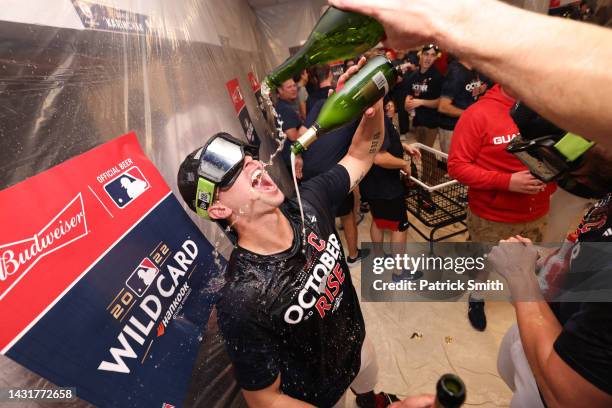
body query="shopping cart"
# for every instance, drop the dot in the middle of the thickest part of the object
(434, 198)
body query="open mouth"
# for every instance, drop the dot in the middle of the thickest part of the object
(260, 181)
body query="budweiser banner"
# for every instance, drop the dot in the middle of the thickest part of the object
(233, 87)
(103, 279)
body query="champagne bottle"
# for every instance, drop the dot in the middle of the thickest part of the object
(337, 35)
(372, 82)
(450, 392)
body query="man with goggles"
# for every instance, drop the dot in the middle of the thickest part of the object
(288, 311)
(213, 167)
(560, 353)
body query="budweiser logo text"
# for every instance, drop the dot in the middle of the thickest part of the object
(17, 258)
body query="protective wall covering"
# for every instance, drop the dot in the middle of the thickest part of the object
(287, 25)
(75, 74)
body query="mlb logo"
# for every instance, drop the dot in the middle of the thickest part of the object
(142, 277)
(166, 405)
(126, 187)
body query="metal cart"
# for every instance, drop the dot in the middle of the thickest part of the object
(434, 198)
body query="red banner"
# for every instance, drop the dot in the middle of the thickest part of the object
(233, 87)
(253, 81)
(47, 245)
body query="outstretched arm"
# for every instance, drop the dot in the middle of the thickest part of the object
(561, 386)
(556, 66)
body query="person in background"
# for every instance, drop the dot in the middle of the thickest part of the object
(384, 190)
(423, 88)
(324, 77)
(390, 54)
(292, 124)
(412, 57)
(401, 59)
(302, 94)
(462, 87)
(408, 64)
(312, 84)
(504, 198)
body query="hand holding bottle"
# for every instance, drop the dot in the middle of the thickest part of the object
(359, 93)
(337, 35)
(411, 23)
(346, 76)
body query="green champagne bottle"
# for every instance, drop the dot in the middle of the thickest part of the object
(337, 35)
(450, 392)
(372, 82)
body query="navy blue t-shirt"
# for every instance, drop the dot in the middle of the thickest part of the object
(463, 87)
(381, 183)
(329, 149)
(427, 86)
(291, 120)
(318, 95)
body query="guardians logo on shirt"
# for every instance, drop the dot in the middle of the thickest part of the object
(322, 292)
(498, 140)
(420, 88)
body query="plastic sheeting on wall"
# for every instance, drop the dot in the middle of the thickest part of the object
(66, 88)
(287, 25)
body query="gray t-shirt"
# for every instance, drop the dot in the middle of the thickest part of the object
(302, 94)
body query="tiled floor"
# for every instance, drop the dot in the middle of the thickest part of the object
(410, 366)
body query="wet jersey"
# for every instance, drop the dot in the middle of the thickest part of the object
(296, 314)
(585, 342)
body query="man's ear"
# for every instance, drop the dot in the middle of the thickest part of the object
(218, 211)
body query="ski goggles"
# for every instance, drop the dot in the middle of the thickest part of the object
(550, 157)
(430, 47)
(220, 164)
